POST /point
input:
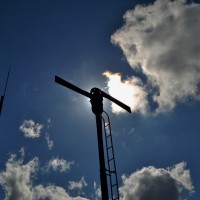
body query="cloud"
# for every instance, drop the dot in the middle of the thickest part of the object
(31, 129)
(17, 182)
(53, 193)
(49, 142)
(150, 183)
(50, 192)
(60, 165)
(182, 175)
(73, 185)
(161, 40)
(16, 179)
(97, 191)
(49, 123)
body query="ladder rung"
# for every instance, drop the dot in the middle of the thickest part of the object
(110, 159)
(114, 185)
(108, 174)
(109, 147)
(109, 135)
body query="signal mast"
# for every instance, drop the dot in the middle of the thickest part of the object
(3, 96)
(96, 98)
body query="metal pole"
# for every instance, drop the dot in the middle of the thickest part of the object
(103, 178)
(96, 99)
(1, 103)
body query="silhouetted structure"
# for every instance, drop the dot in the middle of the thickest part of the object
(3, 96)
(96, 99)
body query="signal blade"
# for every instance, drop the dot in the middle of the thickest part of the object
(71, 86)
(119, 103)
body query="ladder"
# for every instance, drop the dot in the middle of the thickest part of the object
(111, 166)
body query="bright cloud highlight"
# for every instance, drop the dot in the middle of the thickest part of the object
(128, 92)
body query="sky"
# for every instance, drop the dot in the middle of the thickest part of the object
(144, 53)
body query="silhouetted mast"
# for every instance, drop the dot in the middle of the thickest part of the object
(3, 96)
(96, 99)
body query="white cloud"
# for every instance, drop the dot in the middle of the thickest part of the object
(53, 193)
(49, 123)
(162, 39)
(17, 182)
(79, 185)
(16, 179)
(49, 142)
(182, 175)
(150, 183)
(60, 165)
(31, 129)
(50, 192)
(97, 191)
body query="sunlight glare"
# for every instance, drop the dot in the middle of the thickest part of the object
(128, 91)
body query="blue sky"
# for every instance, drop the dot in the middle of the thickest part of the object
(145, 53)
